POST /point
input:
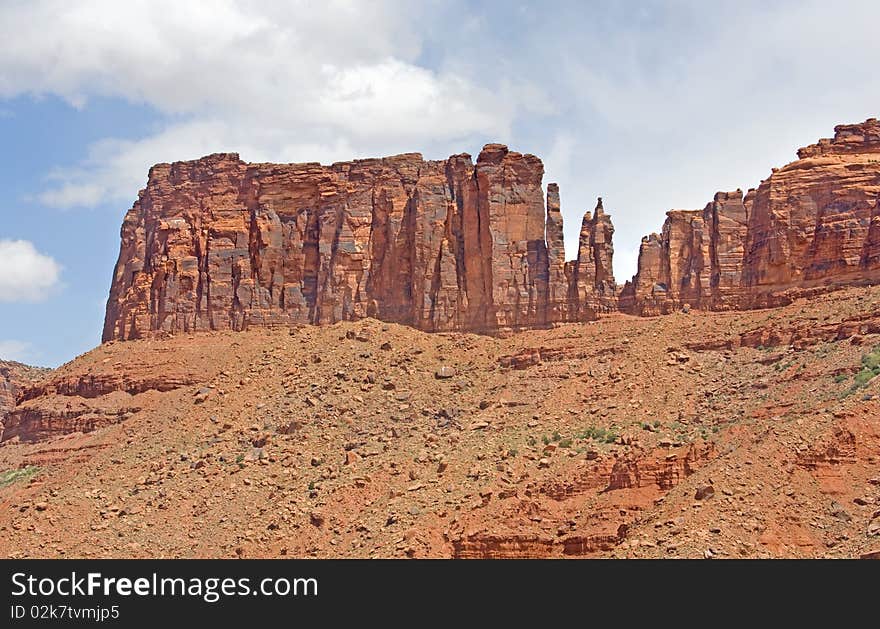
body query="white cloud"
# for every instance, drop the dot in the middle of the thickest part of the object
(663, 104)
(72, 194)
(298, 81)
(14, 350)
(650, 105)
(26, 275)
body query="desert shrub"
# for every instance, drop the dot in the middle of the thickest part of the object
(870, 369)
(598, 434)
(21, 474)
(872, 360)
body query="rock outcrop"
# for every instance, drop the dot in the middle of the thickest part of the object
(13, 378)
(7, 389)
(75, 399)
(813, 223)
(218, 243)
(696, 260)
(592, 285)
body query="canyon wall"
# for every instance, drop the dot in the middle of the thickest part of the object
(696, 260)
(812, 224)
(218, 243)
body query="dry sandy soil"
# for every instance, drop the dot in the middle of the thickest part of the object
(751, 434)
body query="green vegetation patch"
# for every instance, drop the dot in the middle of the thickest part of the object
(22, 474)
(870, 369)
(598, 434)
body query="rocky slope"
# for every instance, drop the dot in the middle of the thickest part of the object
(812, 224)
(219, 244)
(708, 434)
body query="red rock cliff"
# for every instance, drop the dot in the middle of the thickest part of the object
(591, 275)
(218, 243)
(811, 224)
(696, 260)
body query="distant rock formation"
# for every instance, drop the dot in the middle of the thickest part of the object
(13, 377)
(812, 224)
(218, 243)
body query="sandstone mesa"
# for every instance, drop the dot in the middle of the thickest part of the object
(217, 243)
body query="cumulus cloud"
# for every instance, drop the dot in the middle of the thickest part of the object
(14, 350)
(26, 275)
(651, 105)
(298, 81)
(662, 104)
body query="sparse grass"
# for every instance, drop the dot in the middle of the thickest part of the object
(872, 360)
(565, 443)
(22, 474)
(863, 378)
(870, 369)
(841, 377)
(598, 434)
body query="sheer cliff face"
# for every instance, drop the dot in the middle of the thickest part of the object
(591, 274)
(816, 220)
(812, 223)
(697, 260)
(218, 244)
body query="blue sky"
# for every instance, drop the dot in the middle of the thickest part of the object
(652, 105)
